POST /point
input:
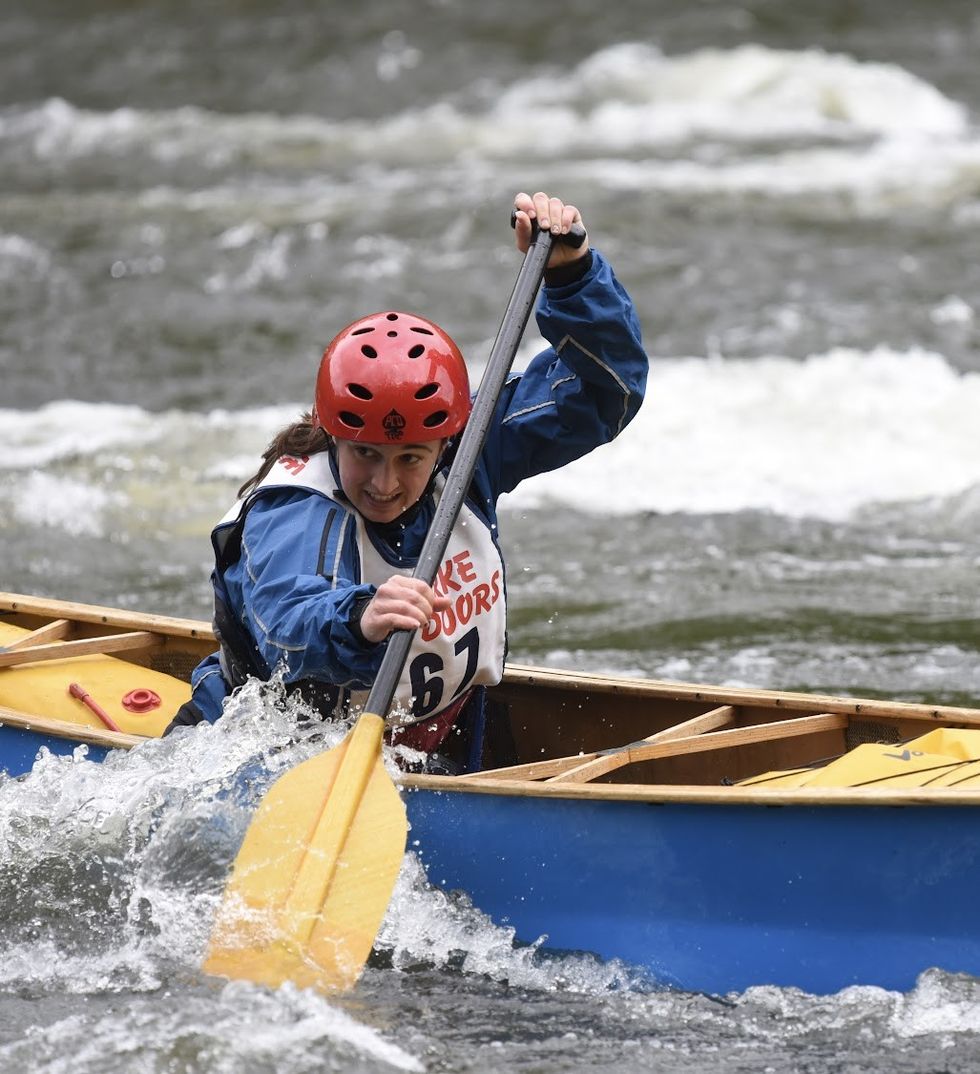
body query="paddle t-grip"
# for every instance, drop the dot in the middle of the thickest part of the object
(575, 236)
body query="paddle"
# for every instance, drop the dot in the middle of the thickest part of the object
(312, 880)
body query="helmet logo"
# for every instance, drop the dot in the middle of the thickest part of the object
(394, 425)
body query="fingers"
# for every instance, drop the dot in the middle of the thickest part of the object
(400, 604)
(551, 214)
(523, 210)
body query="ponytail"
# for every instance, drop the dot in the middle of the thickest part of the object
(300, 438)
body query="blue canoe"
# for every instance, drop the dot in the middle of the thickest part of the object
(617, 827)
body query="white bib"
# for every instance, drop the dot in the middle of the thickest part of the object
(465, 645)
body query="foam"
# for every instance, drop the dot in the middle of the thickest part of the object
(624, 98)
(823, 437)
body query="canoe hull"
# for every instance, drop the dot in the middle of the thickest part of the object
(715, 898)
(19, 748)
(620, 824)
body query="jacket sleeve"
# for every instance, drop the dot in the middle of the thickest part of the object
(579, 393)
(295, 587)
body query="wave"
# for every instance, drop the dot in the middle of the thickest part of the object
(821, 438)
(824, 437)
(629, 96)
(746, 119)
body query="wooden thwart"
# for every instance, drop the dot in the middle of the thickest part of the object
(56, 630)
(63, 650)
(672, 742)
(705, 721)
(606, 759)
(719, 740)
(609, 760)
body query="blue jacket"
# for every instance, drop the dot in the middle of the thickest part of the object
(293, 587)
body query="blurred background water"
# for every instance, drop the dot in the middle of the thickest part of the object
(194, 198)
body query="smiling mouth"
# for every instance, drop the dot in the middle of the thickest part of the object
(382, 501)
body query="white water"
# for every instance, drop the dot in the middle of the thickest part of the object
(628, 96)
(823, 437)
(139, 848)
(772, 123)
(141, 844)
(820, 438)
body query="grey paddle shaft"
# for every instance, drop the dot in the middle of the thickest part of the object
(461, 472)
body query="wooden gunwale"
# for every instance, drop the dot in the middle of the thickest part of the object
(92, 736)
(22, 604)
(524, 675)
(676, 794)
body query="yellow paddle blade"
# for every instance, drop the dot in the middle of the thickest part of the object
(312, 880)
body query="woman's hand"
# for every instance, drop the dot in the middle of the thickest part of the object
(400, 604)
(553, 215)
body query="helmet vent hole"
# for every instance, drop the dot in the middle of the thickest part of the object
(360, 392)
(363, 331)
(417, 351)
(433, 421)
(392, 335)
(427, 391)
(352, 421)
(422, 331)
(392, 316)
(369, 351)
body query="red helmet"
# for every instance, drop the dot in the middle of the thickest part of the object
(392, 377)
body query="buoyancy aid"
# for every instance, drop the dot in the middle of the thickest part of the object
(459, 649)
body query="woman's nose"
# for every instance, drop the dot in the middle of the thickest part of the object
(385, 478)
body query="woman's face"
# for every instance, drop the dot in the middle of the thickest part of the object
(383, 480)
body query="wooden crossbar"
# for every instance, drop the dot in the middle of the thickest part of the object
(63, 650)
(609, 760)
(718, 740)
(704, 721)
(676, 741)
(56, 630)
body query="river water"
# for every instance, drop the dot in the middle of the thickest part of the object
(193, 198)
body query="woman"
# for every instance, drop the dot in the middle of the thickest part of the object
(313, 562)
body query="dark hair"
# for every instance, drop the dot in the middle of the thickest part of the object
(300, 438)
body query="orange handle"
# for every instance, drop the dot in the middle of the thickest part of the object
(86, 699)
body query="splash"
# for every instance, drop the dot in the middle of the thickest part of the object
(942, 1004)
(125, 862)
(242, 1028)
(429, 928)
